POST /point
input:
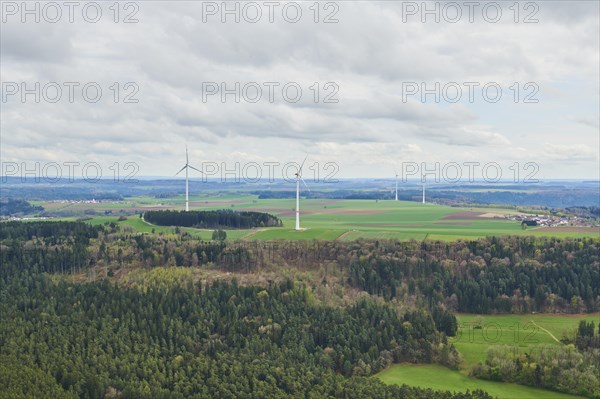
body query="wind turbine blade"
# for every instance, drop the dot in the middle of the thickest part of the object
(302, 165)
(186, 156)
(305, 185)
(181, 170)
(190, 166)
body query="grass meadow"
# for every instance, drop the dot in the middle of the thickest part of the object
(525, 331)
(441, 378)
(528, 331)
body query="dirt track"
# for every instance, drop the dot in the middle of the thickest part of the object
(570, 229)
(464, 215)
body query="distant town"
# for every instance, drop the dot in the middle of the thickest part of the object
(554, 220)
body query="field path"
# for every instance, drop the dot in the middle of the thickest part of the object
(546, 331)
(252, 233)
(148, 223)
(344, 234)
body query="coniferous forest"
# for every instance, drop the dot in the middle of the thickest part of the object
(212, 219)
(74, 323)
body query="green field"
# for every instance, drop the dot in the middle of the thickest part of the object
(332, 219)
(142, 226)
(526, 331)
(441, 378)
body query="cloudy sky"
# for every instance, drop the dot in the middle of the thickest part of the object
(369, 63)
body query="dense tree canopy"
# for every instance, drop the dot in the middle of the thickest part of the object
(508, 274)
(183, 338)
(48, 229)
(223, 218)
(551, 367)
(220, 340)
(10, 206)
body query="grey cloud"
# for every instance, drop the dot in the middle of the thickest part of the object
(170, 53)
(46, 43)
(593, 122)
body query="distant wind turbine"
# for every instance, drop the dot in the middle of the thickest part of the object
(396, 172)
(423, 179)
(186, 167)
(298, 178)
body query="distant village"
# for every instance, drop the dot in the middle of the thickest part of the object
(92, 201)
(553, 220)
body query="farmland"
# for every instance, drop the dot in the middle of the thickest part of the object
(526, 331)
(331, 219)
(441, 378)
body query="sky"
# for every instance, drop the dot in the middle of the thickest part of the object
(363, 88)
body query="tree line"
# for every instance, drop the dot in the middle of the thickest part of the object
(224, 218)
(557, 368)
(50, 230)
(490, 275)
(13, 206)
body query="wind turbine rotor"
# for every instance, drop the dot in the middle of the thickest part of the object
(305, 185)
(301, 166)
(198, 170)
(181, 170)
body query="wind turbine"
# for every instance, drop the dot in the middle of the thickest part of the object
(423, 180)
(186, 167)
(396, 172)
(298, 178)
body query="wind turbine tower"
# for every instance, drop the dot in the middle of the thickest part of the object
(186, 167)
(298, 178)
(423, 189)
(396, 172)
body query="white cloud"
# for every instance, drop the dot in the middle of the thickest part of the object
(369, 54)
(570, 153)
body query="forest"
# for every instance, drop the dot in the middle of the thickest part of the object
(563, 369)
(212, 219)
(194, 340)
(492, 275)
(488, 275)
(74, 328)
(10, 206)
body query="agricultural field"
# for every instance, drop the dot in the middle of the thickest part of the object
(442, 378)
(140, 225)
(526, 331)
(330, 219)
